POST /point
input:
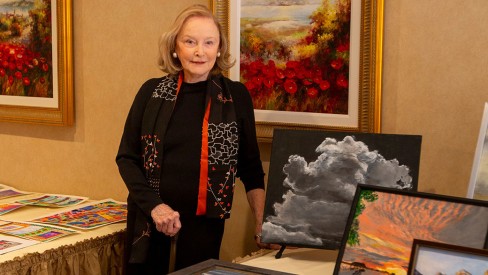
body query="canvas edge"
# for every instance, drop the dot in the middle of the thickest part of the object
(478, 152)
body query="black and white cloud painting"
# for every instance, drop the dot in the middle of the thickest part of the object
(313, 177)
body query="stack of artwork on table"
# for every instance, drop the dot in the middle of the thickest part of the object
(357, 193)
(89, 217)
(80, 215)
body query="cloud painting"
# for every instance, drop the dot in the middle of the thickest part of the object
(387, 226)
(313, 177)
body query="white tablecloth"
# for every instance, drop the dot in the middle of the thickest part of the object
(43, 254)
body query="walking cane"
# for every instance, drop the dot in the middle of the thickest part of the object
(172, 253)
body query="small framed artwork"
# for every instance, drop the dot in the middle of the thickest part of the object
(384, 223)
(36, 62)
(218, 267)
(307, 64)
(478, 183)
(313, 176)
(429, 257)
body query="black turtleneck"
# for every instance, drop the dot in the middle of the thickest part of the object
(182, 148)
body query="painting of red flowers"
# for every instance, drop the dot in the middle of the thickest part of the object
(25, 48)
(294, 55)
(306, 63)
(29, 61)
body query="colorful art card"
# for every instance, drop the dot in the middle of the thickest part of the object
(89, 217)
(36, 232)
(9, 243)
(11, 192)
(8, 207)
(53, 200)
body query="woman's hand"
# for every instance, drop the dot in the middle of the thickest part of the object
(261, 245)
(167, 220)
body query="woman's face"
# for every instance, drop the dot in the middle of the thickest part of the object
(197, 45)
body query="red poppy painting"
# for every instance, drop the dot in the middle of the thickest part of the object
(300, 61)
(295, 56)
(33, 62)
(25, 49)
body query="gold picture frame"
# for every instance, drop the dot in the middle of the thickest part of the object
(366, 111)
(59, 109)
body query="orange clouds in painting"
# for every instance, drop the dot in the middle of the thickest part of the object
(388, 226)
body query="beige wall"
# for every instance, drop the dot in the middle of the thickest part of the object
(434, 79)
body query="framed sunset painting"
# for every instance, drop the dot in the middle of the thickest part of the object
(36, 70)
(307, 64)
(384, 223)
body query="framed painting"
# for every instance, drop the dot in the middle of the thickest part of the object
(218, 267)
(36, 62)
(313, 175)
(478, 183)
(384, 222)
(307, 64)
(429, 257)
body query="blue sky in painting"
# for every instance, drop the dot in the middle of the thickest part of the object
(435, 261)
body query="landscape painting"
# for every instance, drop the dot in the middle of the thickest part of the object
(36, 62)
(441, 258)
(294, 54)
(313, 177)
(26, 59)
(384, 223)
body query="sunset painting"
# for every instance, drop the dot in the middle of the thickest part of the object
(384, 224)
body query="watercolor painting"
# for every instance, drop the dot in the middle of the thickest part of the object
(9, 207)
(440, 258)
(53, 200)
(11, 192)
(91, 216)
(478, 183)
(384, 223)
(9, 244)
(313, 176)
(35, 232)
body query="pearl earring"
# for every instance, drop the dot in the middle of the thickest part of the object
(218, 54)
(175, 55)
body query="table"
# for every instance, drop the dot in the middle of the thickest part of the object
(96, 251)
(305, 261)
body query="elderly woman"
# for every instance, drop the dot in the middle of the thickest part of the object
(188, 135)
